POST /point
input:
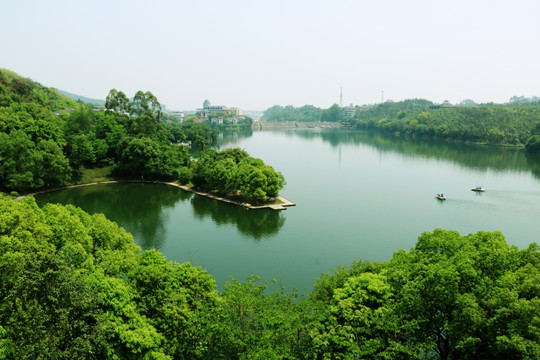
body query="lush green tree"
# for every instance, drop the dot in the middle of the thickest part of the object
(306, 113)
(148, 159)
(262, 325)
(176, 134)
(235, 154)
(145, 104)
(202, 168)
(533, 145)
(56, 169)
(198, 133)
(51, 310)
(82, 151)
(454, 289)
(451, 297)
(332, 114)
(23, 165)
(361, 323)
(223, 176)
(111, 132)
(81, 121)
(56, 298)
(117, 101)
(233, 170)
(181, 302)
(257, 180)
(499, 124)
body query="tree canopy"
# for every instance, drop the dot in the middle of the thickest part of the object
(233, 171)
(75, 285)
(47, 139)
(513, 123)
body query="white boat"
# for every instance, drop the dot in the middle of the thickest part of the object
(440, 196)
(478, 188)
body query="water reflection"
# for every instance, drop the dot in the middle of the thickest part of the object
(479, 157)
(257, 224)
(138, 207)
(233, 137)
(534, 162)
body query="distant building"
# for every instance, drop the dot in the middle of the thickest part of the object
(180, 115)
(208, 109)
(446, 104)
(236, 111)
(349, 111)
(228, 120)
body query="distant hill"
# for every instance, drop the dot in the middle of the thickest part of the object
(81, 98)
(16, 90)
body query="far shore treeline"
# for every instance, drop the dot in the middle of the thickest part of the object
(75, 285)
(514, 123)
(48, 140)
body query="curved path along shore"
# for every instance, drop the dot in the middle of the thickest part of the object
(280, 204)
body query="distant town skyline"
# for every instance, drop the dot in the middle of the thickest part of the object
(254, 55)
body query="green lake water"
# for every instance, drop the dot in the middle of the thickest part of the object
(359, 196)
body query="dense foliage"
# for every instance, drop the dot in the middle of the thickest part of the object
(48, 140)
(497, 124)
(74, 285)
(514, 123)
(31, 136)
(233, 171)
(278, 113)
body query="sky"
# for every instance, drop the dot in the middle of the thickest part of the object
(254, 54)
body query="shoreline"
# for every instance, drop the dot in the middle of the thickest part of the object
(282, 205)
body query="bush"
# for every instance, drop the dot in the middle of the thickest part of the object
(533, 145)
(184, 175)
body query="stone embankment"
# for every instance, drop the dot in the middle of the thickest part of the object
(262, 125)
(280, 202)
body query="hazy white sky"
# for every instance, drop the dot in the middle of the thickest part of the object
(255, 54)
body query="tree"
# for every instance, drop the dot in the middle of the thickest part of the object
(223, 176)
(263, 325)
(51, 310)
(23, 164)
(82, 151)
(146, 158)
(145, 104)
(361, 323)
(198, 133)
(332, 114)
(181, 302)
(533, 145)
(451, 297)
(117, 101)
(452, 290)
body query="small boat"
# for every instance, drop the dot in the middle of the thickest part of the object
(478, 188)
(440, 196)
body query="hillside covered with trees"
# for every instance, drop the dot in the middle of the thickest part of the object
(48, 140)
(74, 285)
(513, 123)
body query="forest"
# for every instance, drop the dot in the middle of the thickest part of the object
(48, 140)
(75, 285)
(514, 123)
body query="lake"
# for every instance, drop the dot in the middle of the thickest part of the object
(359, 196)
